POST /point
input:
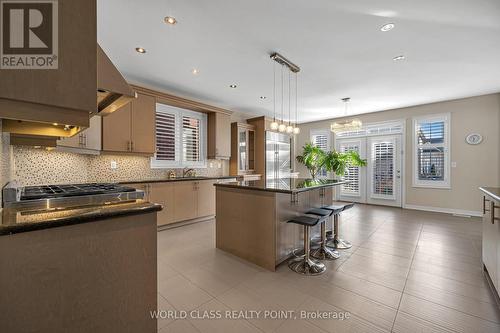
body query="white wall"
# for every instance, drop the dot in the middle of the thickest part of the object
(476, 165)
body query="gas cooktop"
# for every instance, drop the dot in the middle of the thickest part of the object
(46, 197)
(70, 190)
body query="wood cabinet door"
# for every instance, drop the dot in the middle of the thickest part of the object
(143, 124)
(185, 201)
(490, 238)
(206, 198)
(93, 134)
(163, 194)
(73, 142)
(116, 129)
(223, 136)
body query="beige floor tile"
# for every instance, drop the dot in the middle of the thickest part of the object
(222, 324)
(464, 304)
(389, 258)
(376, 313)
(375, 275)
(475, 278)
(298, 326)
(242, 298)
(373, 291)
(446, 317)
(179, 326)
(479, 293)
(406, 323)
(349, 323)
(163, 306)
(183, 294)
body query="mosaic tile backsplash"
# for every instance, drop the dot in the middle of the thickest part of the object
(38, 166)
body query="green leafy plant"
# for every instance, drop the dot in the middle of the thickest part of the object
(316, 159)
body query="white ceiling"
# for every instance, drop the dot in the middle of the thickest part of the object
(452, 50)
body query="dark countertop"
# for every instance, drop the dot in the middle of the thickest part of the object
(14, 221)
(493, 192)
(179, 179)
(283, 185)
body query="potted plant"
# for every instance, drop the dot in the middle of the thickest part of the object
(316, 159)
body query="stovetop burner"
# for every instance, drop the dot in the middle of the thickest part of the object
(56, 191)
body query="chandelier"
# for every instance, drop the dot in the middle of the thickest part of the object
(281, 125)
(347, 125)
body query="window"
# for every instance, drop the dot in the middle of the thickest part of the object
(352, 173)
(180, 138)
(321, 139)
(431, 151)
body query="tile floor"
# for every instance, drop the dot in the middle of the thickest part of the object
(408, 271)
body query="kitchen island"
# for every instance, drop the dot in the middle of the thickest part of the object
(87, 268)
(251, 217)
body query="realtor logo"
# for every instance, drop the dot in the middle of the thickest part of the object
(29, 34)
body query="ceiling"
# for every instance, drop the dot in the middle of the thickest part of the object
(452, 50)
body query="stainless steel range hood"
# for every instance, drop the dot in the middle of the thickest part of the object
(113, 91)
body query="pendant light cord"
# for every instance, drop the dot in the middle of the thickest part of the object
(282, 94)
(274, 91)
(296, 99)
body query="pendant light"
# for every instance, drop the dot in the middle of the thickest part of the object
(348, 125)
(282, 126)
(274, 125)
(296, 129)
(289, 128)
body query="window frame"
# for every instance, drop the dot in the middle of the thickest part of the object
(179, 158)
(438, 184)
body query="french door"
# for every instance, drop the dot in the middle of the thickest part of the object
(380, 181)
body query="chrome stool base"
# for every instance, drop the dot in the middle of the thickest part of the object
(324, 253)
(338, 244)
(306, 267)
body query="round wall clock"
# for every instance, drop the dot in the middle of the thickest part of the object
(474, 139)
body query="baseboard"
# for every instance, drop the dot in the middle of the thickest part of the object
(445, 210)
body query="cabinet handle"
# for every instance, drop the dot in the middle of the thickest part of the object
(128, 145)
(492, 209)
(85, 140)
(131, 145)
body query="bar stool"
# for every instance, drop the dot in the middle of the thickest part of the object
(323, 252)
(333, 239)
(305, 264)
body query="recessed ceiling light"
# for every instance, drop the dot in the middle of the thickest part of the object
(263, 97)
(140, 50)
(399, 58)
(170, 20)
(232, 86)
(195, 71)
(387, 27)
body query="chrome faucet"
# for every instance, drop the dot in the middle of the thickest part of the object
(187, 171)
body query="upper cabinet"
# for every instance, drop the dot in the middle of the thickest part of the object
(219, 136)
(64, 94)
(131, 128)
(87, 141)
(242, 149)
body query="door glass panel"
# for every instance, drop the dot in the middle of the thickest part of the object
(242, 147)
(251, 150)
(352, 172)
(382, 158)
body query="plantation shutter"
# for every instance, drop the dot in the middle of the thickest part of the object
(165, 136)
(431, 150)
(191, 145)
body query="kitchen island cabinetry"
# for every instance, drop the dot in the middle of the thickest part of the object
(252, 216)
(491, 237)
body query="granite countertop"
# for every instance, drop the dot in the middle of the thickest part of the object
(14, 221)
(493, 192)
(283, 185)
(179, 179)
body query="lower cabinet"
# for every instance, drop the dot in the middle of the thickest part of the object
(181, 200)
(491, 240)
